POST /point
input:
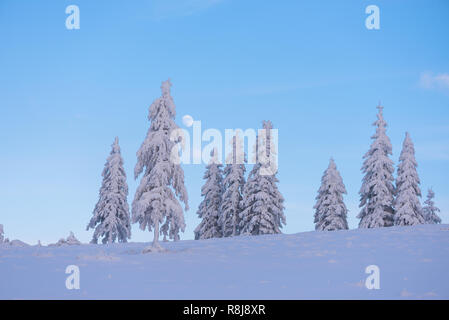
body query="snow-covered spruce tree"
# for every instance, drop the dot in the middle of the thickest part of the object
(429, 210)
(111, 214)
(2, 234)
(156, 199)
(262, 203)
(330, 210)
(377, 191)
(72, 240)
(233, 183)
(210, 208)
(408, 209)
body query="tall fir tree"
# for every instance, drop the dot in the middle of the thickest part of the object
(377, 191)
(210, 208)
(233, 183)
(330, 210)
(2, 234)
(430, 210)
(111, 214)
(156, 200)
(262, 203)
(408, 209)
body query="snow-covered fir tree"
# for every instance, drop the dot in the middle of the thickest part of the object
(408, 209)
(111, 214)
(210, 208)
(3, 240)
(2, 234)
(429, 210)
(330, 210)
(377, 191)
(72, 240)
(262, 203)
(233, 183)
(156, 200)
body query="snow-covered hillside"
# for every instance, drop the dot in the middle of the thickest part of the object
(413, 264)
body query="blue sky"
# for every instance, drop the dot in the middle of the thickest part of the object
(311, 67)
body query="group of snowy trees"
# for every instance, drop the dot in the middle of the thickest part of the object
(232, 206)
(384, 201)
(156, 205)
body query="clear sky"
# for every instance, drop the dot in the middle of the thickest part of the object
(311, 67)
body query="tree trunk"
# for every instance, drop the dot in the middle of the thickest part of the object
(156, 234)
(155, 246)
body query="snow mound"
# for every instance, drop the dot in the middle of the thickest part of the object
(154, 249)
(412, 261)
(70, 241)
(14, 243)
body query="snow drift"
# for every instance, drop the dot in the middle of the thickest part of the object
(413, 263)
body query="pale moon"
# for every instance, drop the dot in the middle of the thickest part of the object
(187, 120)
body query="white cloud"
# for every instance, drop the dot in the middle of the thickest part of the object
(163, 9)
(438, 81)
